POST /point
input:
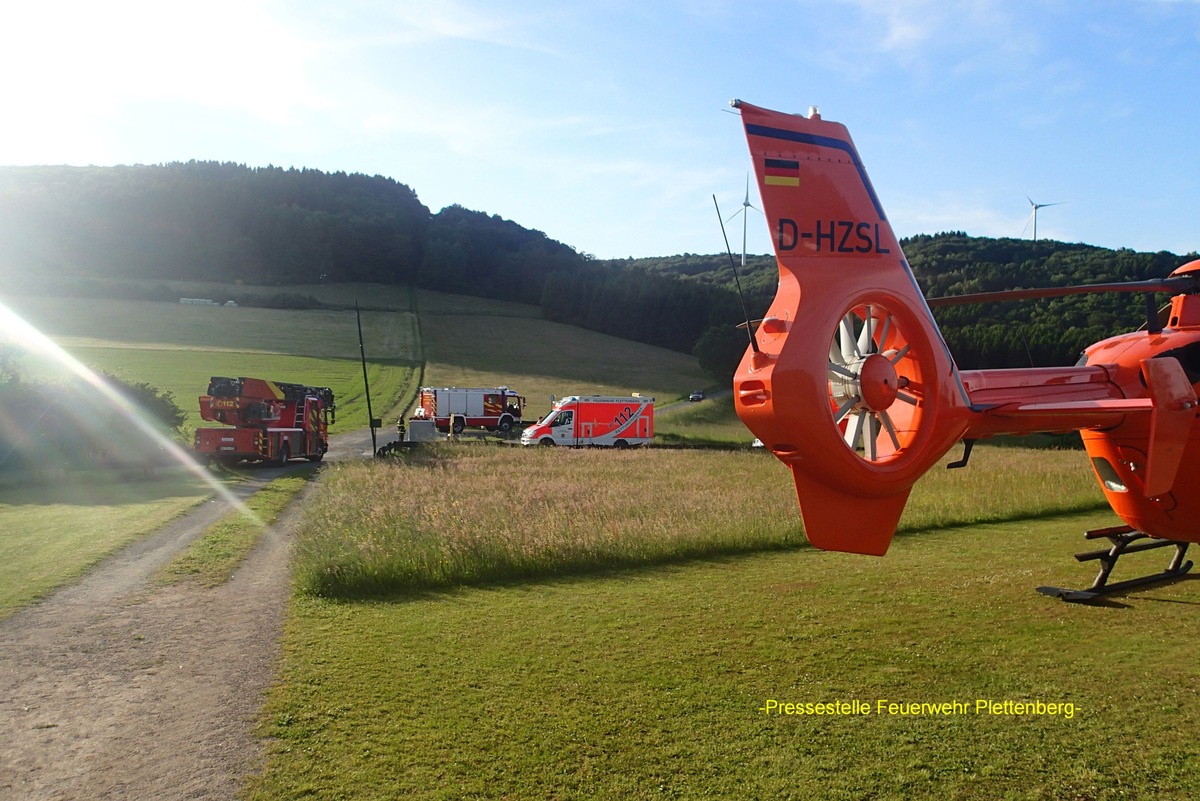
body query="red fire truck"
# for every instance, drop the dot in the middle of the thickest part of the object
(271, 421)
(494, 408)
(597, 420)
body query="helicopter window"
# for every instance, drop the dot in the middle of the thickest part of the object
(1108, 475)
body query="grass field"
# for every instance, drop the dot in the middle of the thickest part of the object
(657, 681)
(470, 343)
(55, 534)
(461, 341)
(506, 623)
(469, 515)
(178, 347)
(709, 422)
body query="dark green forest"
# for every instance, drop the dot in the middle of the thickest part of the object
(118, 230)
(1039, 333)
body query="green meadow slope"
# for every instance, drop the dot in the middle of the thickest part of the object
(471, 342)
(177, 347)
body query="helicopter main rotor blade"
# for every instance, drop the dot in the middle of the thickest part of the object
(1183, 284)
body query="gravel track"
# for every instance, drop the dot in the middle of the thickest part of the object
(117, 687)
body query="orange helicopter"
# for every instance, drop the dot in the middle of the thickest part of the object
(849, 382)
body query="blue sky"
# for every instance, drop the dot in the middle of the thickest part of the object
(606, 124)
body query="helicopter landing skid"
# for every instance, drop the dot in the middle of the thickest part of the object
(1122, 539)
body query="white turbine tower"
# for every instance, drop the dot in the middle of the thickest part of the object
(1033, 215)
(745, 212)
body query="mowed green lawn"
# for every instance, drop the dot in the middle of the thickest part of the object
(595, 677)
(670, 680)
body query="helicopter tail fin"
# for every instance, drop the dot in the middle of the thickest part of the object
(848, 380)
(1171, 422)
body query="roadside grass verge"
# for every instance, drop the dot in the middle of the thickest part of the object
(214, 557)
(653, 683)
(709, 423)
(56, 533)
(463, 515)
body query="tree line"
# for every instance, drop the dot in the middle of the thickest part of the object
(63, 228)
(1042, 333)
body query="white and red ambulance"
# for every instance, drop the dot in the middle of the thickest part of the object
(595, 420)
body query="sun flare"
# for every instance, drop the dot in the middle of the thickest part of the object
(86, 393)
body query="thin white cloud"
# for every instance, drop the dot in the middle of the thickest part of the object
(925, 37)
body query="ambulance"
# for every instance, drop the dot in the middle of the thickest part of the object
(595, 420)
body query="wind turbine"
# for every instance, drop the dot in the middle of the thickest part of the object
(745, 212)
(1037, 206)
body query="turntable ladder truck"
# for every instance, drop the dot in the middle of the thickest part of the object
(265, 421)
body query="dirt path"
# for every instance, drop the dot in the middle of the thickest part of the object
(117, 688)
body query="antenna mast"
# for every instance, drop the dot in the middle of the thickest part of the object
(736, 280)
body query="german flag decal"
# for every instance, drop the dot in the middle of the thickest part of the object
(782, 172)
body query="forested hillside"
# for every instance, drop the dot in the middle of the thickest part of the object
(1041, 332)
(1013, 334)
(118, 230)
(227, 222)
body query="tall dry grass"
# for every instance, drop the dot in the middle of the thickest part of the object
(710, 423)
(1003, 483)
(456, 515)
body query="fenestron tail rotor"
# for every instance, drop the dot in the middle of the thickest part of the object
(874, 383)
